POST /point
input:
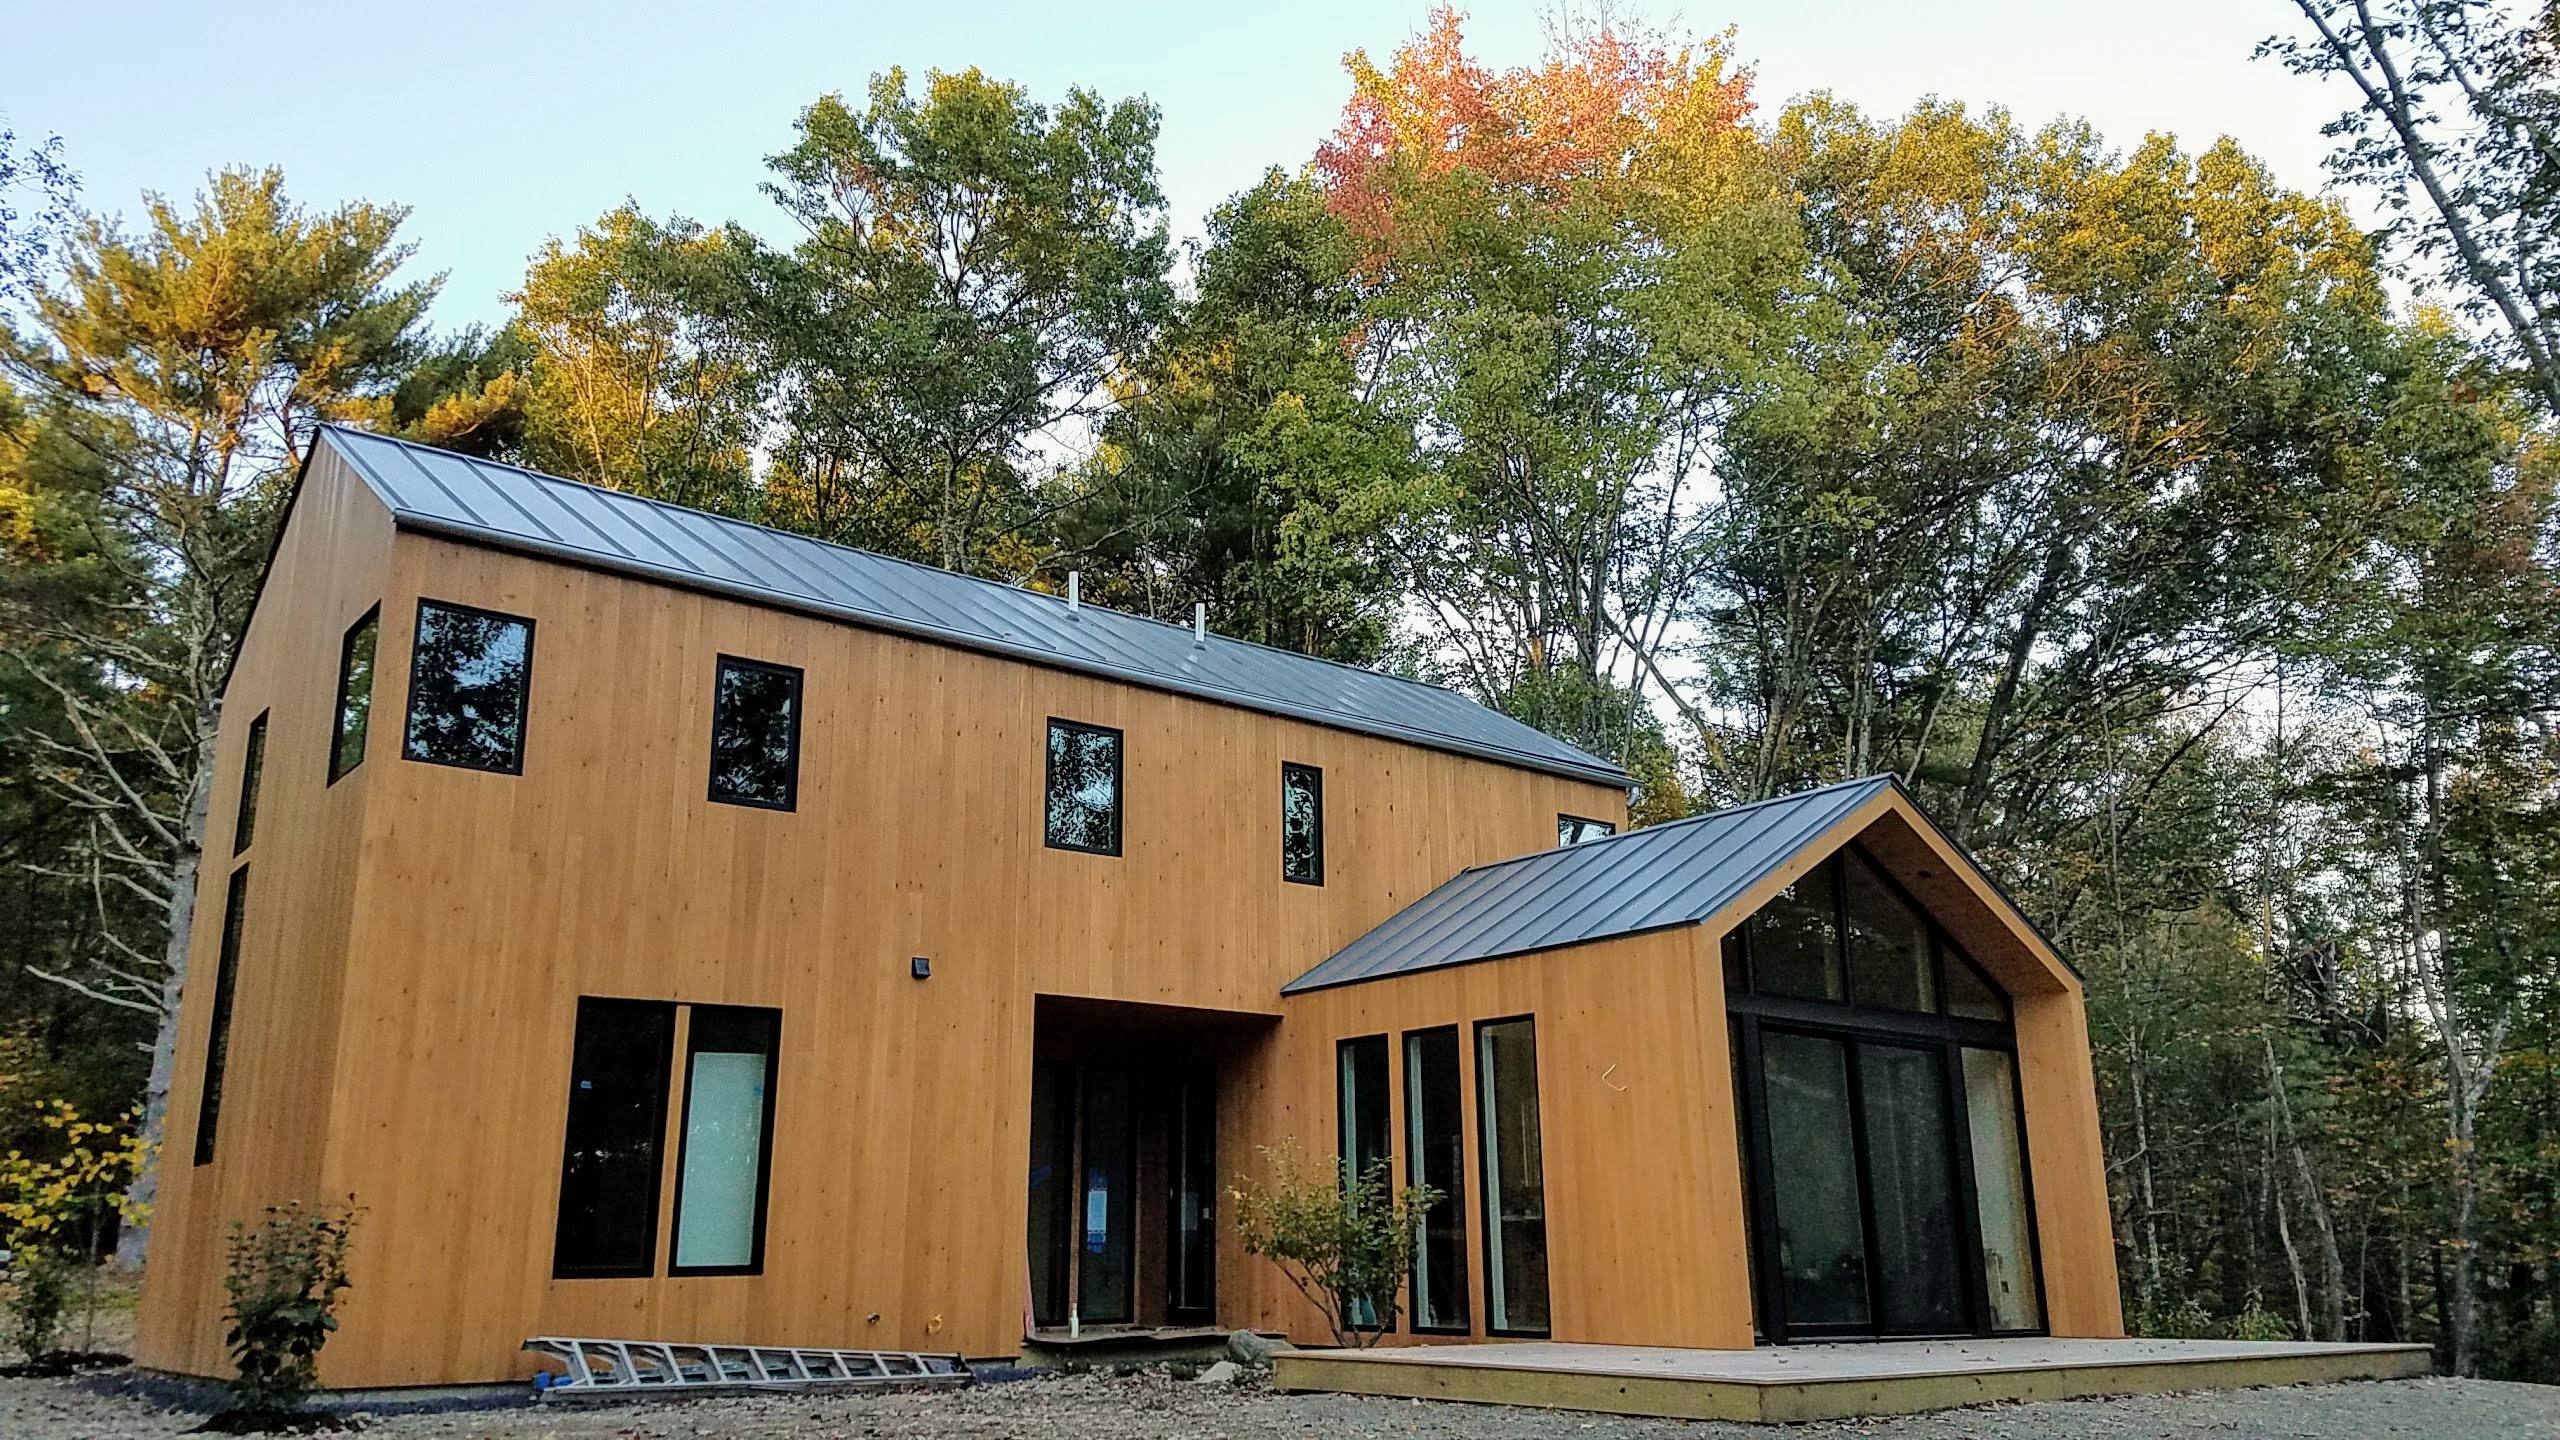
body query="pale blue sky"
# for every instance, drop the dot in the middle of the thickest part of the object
(504, 124)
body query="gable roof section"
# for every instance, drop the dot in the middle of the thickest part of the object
(440, 493)
(1651, 879)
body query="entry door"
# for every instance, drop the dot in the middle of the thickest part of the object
(1083, 1212)
(1858, 1146)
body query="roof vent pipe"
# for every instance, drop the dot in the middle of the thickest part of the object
(1075, 591)
(1199, 622)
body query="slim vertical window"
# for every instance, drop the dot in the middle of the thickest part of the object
(1515, 1185)
(617, 1123)
(468, 678)
(1083, 802)
(1575, 829)
(253, 766)
(355, 694)
(728, 1141)
(1302, 824)
(217, 1045)
(1435, 1155)
(2000, 1190)
(755, 734)
(1361, 1096)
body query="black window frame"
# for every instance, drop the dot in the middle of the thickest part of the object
(1417, 1171)
(1488, 1186)
(1858, 1024)
(1313, 776)
(646, 1265)
(772, 1018)
(370, 620)
(1608, 829)
(1119, 784)
(253, 770)
(217, 1042)
(720, 668)
(524, 697)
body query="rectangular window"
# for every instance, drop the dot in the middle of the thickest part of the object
(1302, 824)
(617, 1122)
(755, 734)
(253, 765)
(728, 1141)
(468, 678)
(1083, 810)
(217, 1045)
(1515, 1184)
(355, 695)
(1435, 1155)
(2000, 1190)
(1362, 1104)
(1574, 829)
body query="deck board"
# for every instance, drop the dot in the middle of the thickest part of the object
(1825, 1382)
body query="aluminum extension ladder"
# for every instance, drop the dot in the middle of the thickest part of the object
(625, 1367)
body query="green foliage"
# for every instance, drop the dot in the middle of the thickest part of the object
(975, 268)
(39, 1292)
(284, 1279)
(1345, 1241)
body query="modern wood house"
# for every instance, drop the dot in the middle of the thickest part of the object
(668, 928)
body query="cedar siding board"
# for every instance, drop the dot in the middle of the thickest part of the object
(419, 935)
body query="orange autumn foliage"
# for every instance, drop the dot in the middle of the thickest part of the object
(1608, 110)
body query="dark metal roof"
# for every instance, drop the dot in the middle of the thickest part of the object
(442, 493)
(1651, 879)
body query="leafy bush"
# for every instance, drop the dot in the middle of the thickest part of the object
(1345, 1241)
(39, 1291)
(284, 1279)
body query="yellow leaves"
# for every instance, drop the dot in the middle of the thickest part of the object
(98, 1161)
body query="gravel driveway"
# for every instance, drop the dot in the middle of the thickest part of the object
(1152, 1407)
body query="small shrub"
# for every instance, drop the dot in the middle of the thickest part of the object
(39, 1291)
(1346, 1242)
(284, 1279)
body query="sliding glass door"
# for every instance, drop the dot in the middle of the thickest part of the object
(1884, 1165)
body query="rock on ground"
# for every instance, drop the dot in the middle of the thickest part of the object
(1154, 1406)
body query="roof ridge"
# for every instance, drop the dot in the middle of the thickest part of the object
(1729, 811)
(669, 506)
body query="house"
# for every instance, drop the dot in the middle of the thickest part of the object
(668, 928)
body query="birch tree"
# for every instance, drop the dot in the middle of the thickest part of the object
(187, 362)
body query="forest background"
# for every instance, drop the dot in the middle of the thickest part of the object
(2187, 546)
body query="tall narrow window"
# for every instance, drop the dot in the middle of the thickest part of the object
(355, 694)
(617, 1122)
(1515, 1184)
(755, 734)
(217, 1045)
(1575, 829)
(2000, 1190)
(1361, 1095)
(1083, 808)
(1302, 824)
(728, 1140)
(467, 683)
(1435, 1155)
(253, 766)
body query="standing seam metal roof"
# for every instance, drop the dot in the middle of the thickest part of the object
(441, 493)
(1650, 879)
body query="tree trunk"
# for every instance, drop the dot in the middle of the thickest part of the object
(133, 1243)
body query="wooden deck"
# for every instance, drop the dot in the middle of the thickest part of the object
(1829, 1382)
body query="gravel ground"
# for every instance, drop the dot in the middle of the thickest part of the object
(1152, 1407)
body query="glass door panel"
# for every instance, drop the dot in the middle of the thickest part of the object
(1106, 1206)
(2000, 1190)
(1911, 1185)
(1813, 1164)
(1052, 1189)
(1195, 1192)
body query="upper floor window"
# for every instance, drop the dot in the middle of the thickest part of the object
(467, 683)
(355, 694)
(1574, 829)
(253, 765)
(1302, 824)
(1083, 810)
(755, 734)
